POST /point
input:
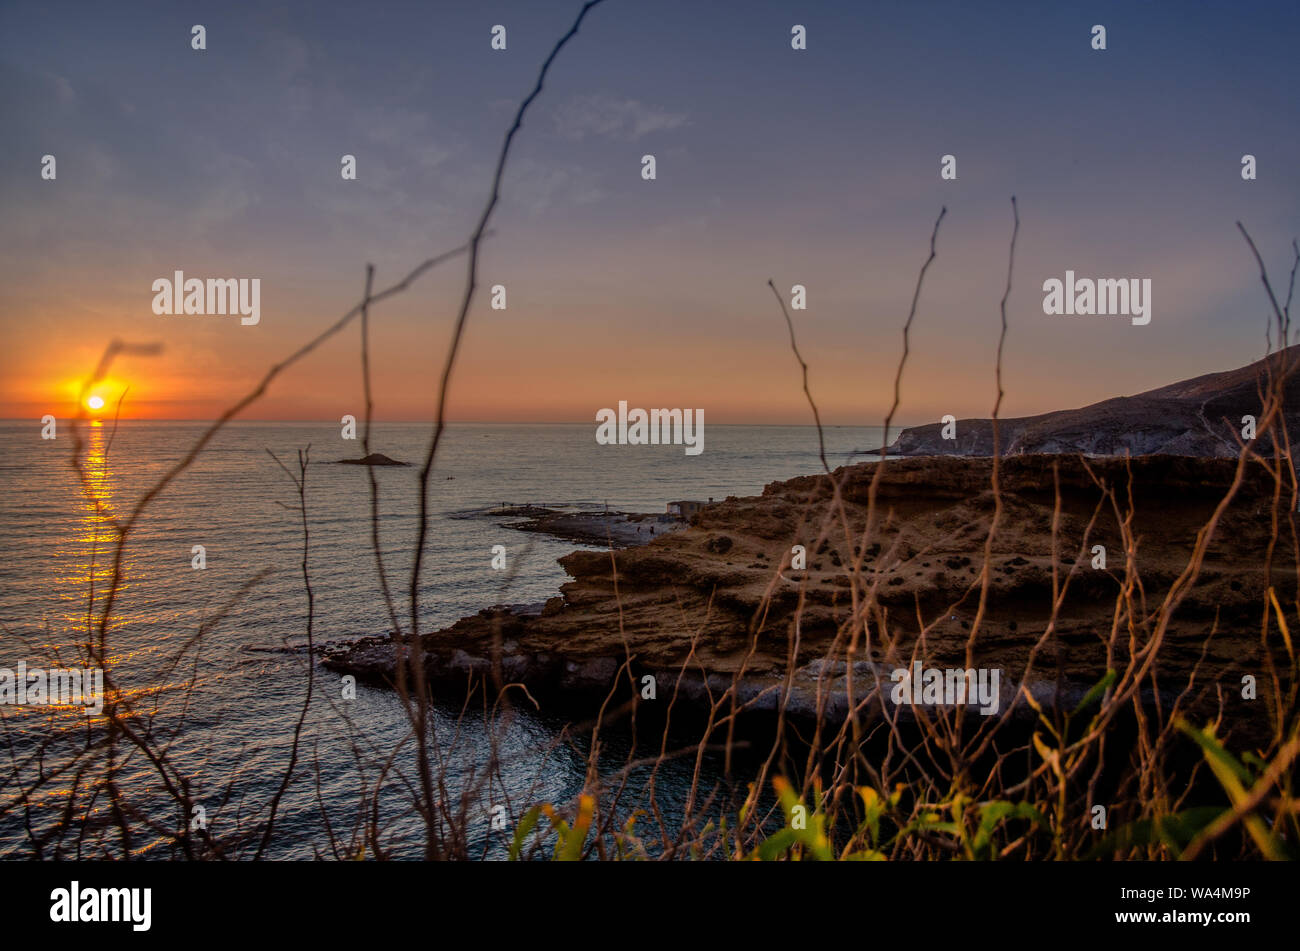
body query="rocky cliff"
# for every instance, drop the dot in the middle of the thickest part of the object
(719, 601)
(1197, 417)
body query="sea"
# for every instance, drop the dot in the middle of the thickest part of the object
(211, 656)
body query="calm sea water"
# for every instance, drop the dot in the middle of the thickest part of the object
(238, 504)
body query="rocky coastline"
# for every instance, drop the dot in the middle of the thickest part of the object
(716, 602)
(729, 600)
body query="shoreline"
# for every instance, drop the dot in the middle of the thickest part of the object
(613, 529)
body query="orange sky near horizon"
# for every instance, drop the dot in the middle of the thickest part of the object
(683, 344)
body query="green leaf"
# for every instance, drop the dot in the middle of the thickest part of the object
(777, 844)
(1175, 832)
(525, 826)
(1099, 688)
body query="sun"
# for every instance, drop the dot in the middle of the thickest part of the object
(95, 402)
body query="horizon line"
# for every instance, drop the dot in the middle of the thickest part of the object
(412, 422)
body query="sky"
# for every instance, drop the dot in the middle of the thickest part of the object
(818, 167)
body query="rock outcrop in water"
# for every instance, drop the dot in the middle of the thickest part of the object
(607, 529)
(1197, 417)
(374, 459)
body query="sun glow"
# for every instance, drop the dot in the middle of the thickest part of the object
(95, 402)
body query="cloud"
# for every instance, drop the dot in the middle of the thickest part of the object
(62, 89)
(601, 115)
(537, 186)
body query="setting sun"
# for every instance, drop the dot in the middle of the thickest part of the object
(95, 402)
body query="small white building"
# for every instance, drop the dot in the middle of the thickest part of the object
(685, 509)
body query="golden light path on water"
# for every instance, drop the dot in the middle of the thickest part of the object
(83, 567)
(85, 577)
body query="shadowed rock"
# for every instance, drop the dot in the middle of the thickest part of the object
(1197, 417)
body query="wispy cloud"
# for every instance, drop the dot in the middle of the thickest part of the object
(611, 117)
(538, 186)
